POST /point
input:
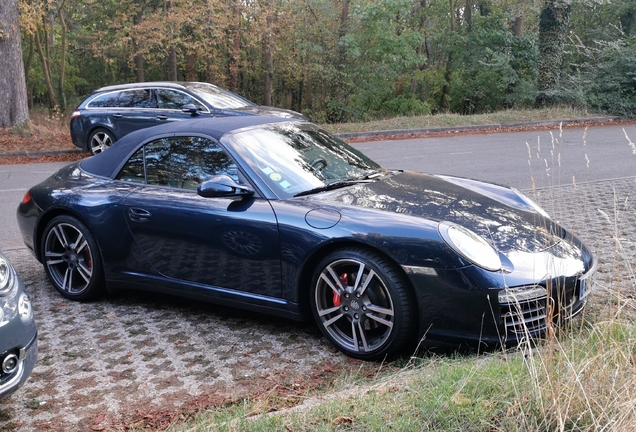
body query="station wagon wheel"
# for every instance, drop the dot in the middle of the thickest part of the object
(100, 140)
(361, 304)
(71, 258)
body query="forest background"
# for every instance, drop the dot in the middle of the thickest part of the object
(341, 60)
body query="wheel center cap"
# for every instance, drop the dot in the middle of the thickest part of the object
(355, 305)
(70, 258)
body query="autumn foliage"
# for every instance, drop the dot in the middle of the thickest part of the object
(338, 60)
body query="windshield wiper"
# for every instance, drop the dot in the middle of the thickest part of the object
(334, 185)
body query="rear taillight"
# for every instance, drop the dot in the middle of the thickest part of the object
(75, 114)
(27, 198)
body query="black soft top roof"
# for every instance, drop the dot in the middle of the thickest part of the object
(109, 162)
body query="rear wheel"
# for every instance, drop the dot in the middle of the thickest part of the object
(100, 140)
(361, 304)
(71, 258)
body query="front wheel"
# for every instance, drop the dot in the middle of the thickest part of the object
(71, 258)
(361, 304)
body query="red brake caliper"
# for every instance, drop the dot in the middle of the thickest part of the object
(336, 297)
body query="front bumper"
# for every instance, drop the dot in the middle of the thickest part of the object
(467, 306)
(27, 357)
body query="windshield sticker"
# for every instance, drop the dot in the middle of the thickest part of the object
(275, 176)
(284, 184)
(267, 170)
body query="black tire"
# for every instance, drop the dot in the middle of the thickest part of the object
(71, 259)
(361, 304)
(99, 140)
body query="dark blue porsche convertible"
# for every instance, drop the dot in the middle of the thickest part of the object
(277, 216)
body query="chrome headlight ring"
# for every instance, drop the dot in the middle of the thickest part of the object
(7, 277)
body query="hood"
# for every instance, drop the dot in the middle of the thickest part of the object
(498, 214)
(270, 111)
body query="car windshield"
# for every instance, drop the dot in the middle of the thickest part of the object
(218, 97)
(298, 158)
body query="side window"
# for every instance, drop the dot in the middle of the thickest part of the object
(139, 98)
(104, 101)
(133, 171)
(184, 162)
(173, 99)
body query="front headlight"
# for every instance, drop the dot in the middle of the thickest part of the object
(471, 246)
(6, 276)
(536, 207)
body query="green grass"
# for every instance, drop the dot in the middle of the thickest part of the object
(444, 120)
(584, 380)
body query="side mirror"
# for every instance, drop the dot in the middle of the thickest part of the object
(190, 108)
(223, 186)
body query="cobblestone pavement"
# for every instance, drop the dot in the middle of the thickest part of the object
(130, 358)
(603, 215)
(106, 364)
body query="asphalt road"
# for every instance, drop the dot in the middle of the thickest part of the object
(545, 158)
(15, 180)
(515, 159)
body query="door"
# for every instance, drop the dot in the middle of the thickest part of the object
(135, 109)
(170, 102)
(228, 242)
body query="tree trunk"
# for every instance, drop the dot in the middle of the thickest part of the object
(172, 65)
(485, 7)
(29, 60)
(13, 97)
(517, 27)
(139, 64)
(235, 45)
(27, 68)
(172, 55)
(47, 72)
(60, 84)
(420, 48)
(191, 67)
(468, 15)
(138, 56)
(269, 62)
(552, 26)
(444, 102)
(342, 32)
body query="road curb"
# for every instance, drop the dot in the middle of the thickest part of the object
(39, 154)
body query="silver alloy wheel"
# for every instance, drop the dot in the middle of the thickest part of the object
(354, 305)
(100, 141)
(68, 258)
